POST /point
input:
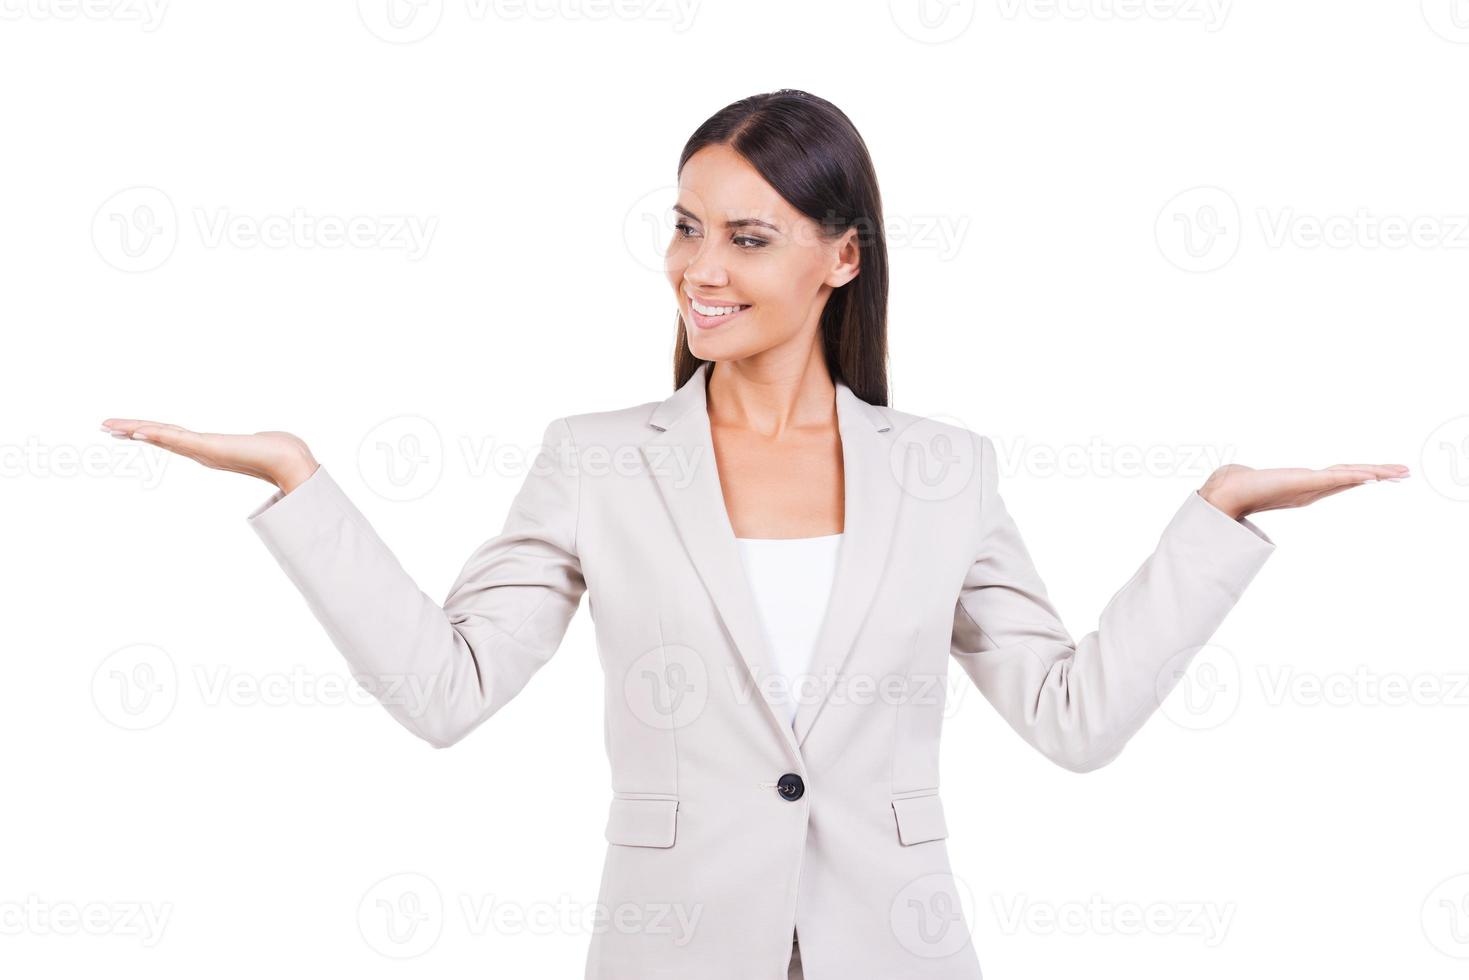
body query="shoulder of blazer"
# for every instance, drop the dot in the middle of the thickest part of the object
(616, 424)
(926, 426)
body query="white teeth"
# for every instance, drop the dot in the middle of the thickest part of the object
(714, 310)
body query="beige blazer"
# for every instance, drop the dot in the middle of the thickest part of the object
(730, 833)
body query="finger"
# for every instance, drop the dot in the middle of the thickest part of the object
(124, 428)
(174, 438)
(1346, 480)
(134, 423)
(208, 448)
(1383, 471)
(1340, 475)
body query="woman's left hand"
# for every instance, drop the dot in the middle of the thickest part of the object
(1241, 490)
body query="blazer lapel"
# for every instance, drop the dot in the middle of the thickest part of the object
(872, 496)
(680, 456)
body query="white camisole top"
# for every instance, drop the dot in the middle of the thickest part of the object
(791, 581)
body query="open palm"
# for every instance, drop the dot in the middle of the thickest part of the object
(1240, 490)
(275, 457)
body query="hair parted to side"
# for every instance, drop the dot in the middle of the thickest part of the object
(809, 151)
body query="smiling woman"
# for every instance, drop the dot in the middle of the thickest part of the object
(756, 834)
(781, 235)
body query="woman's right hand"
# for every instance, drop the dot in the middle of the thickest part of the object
(275, 457)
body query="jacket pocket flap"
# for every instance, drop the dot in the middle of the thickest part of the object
(642, 823)
(920, 818)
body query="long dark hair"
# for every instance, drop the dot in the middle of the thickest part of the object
(809, 151)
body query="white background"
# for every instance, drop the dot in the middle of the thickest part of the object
(1051, 288)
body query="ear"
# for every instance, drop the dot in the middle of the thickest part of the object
(847, 260)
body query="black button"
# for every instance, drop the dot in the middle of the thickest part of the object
(790, 786)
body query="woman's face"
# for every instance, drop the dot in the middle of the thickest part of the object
(737, 243)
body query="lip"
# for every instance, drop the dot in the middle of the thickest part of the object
(708, 301)
(712, 322)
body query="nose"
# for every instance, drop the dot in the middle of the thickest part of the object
(705, 280)
(705, 270)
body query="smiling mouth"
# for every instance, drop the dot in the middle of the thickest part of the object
(709, 317)
(712, 311)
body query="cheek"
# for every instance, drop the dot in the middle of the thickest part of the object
(779, 302)
(673, 265)
(677, 254)
(765, 284)
(788, 279)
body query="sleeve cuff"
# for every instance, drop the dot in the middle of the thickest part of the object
(1213, 515)
(293, 520)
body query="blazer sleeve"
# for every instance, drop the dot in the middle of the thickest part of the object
(1079, 703)
(439, 670)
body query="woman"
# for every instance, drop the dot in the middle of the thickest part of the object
(777, 586)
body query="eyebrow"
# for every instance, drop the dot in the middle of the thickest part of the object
(737, 223)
